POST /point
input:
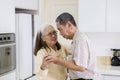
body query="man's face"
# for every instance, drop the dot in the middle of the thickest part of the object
(64, 30)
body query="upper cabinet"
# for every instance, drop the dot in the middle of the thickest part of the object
(99, 15)
(7, 16)
(92, 15)
(27, 4)
(113, 15)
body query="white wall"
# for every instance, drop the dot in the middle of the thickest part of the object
(103, 42)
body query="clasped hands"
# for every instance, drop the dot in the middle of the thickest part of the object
(49, 58)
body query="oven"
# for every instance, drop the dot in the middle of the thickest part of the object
(7, 52)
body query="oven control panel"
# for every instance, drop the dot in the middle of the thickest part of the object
(7, 37)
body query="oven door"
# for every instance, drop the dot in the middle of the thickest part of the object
(7, 52)
(7, 58)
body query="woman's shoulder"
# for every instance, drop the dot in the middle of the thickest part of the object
(66, 48)
(41, 51)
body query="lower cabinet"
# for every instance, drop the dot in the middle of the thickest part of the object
(8, 76)
(110, 77)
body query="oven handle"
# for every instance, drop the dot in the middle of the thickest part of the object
(7, 44)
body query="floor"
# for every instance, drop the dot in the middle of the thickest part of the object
(33, 78)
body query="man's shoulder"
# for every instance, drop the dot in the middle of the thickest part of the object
(81, 36)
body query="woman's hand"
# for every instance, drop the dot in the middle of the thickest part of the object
(51, 58)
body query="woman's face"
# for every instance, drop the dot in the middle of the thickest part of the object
(50, 36)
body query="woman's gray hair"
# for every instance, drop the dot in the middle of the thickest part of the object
(43, 27)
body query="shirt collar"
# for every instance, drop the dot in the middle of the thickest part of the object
(75, 35)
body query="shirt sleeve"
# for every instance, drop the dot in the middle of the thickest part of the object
(81, 53)
(38, 60)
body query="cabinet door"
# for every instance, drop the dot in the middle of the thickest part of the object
(24, 45)
(113, 15)
(9, 76)
(111, 77)
(27, 4)
(7, 16)
(92, 15)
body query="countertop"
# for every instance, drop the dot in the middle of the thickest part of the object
(109, 70)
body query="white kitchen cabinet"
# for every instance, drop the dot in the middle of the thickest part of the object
(108, 77)
(9, 76)
(99, 15)
(113, 15)
(24, 45)
(92, 15)
(7, 16)
(27, 4)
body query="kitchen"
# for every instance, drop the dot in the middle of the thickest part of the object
(98, 18)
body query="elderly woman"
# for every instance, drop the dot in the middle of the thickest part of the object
(46, 43)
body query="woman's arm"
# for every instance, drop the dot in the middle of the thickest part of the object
(44, 65)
